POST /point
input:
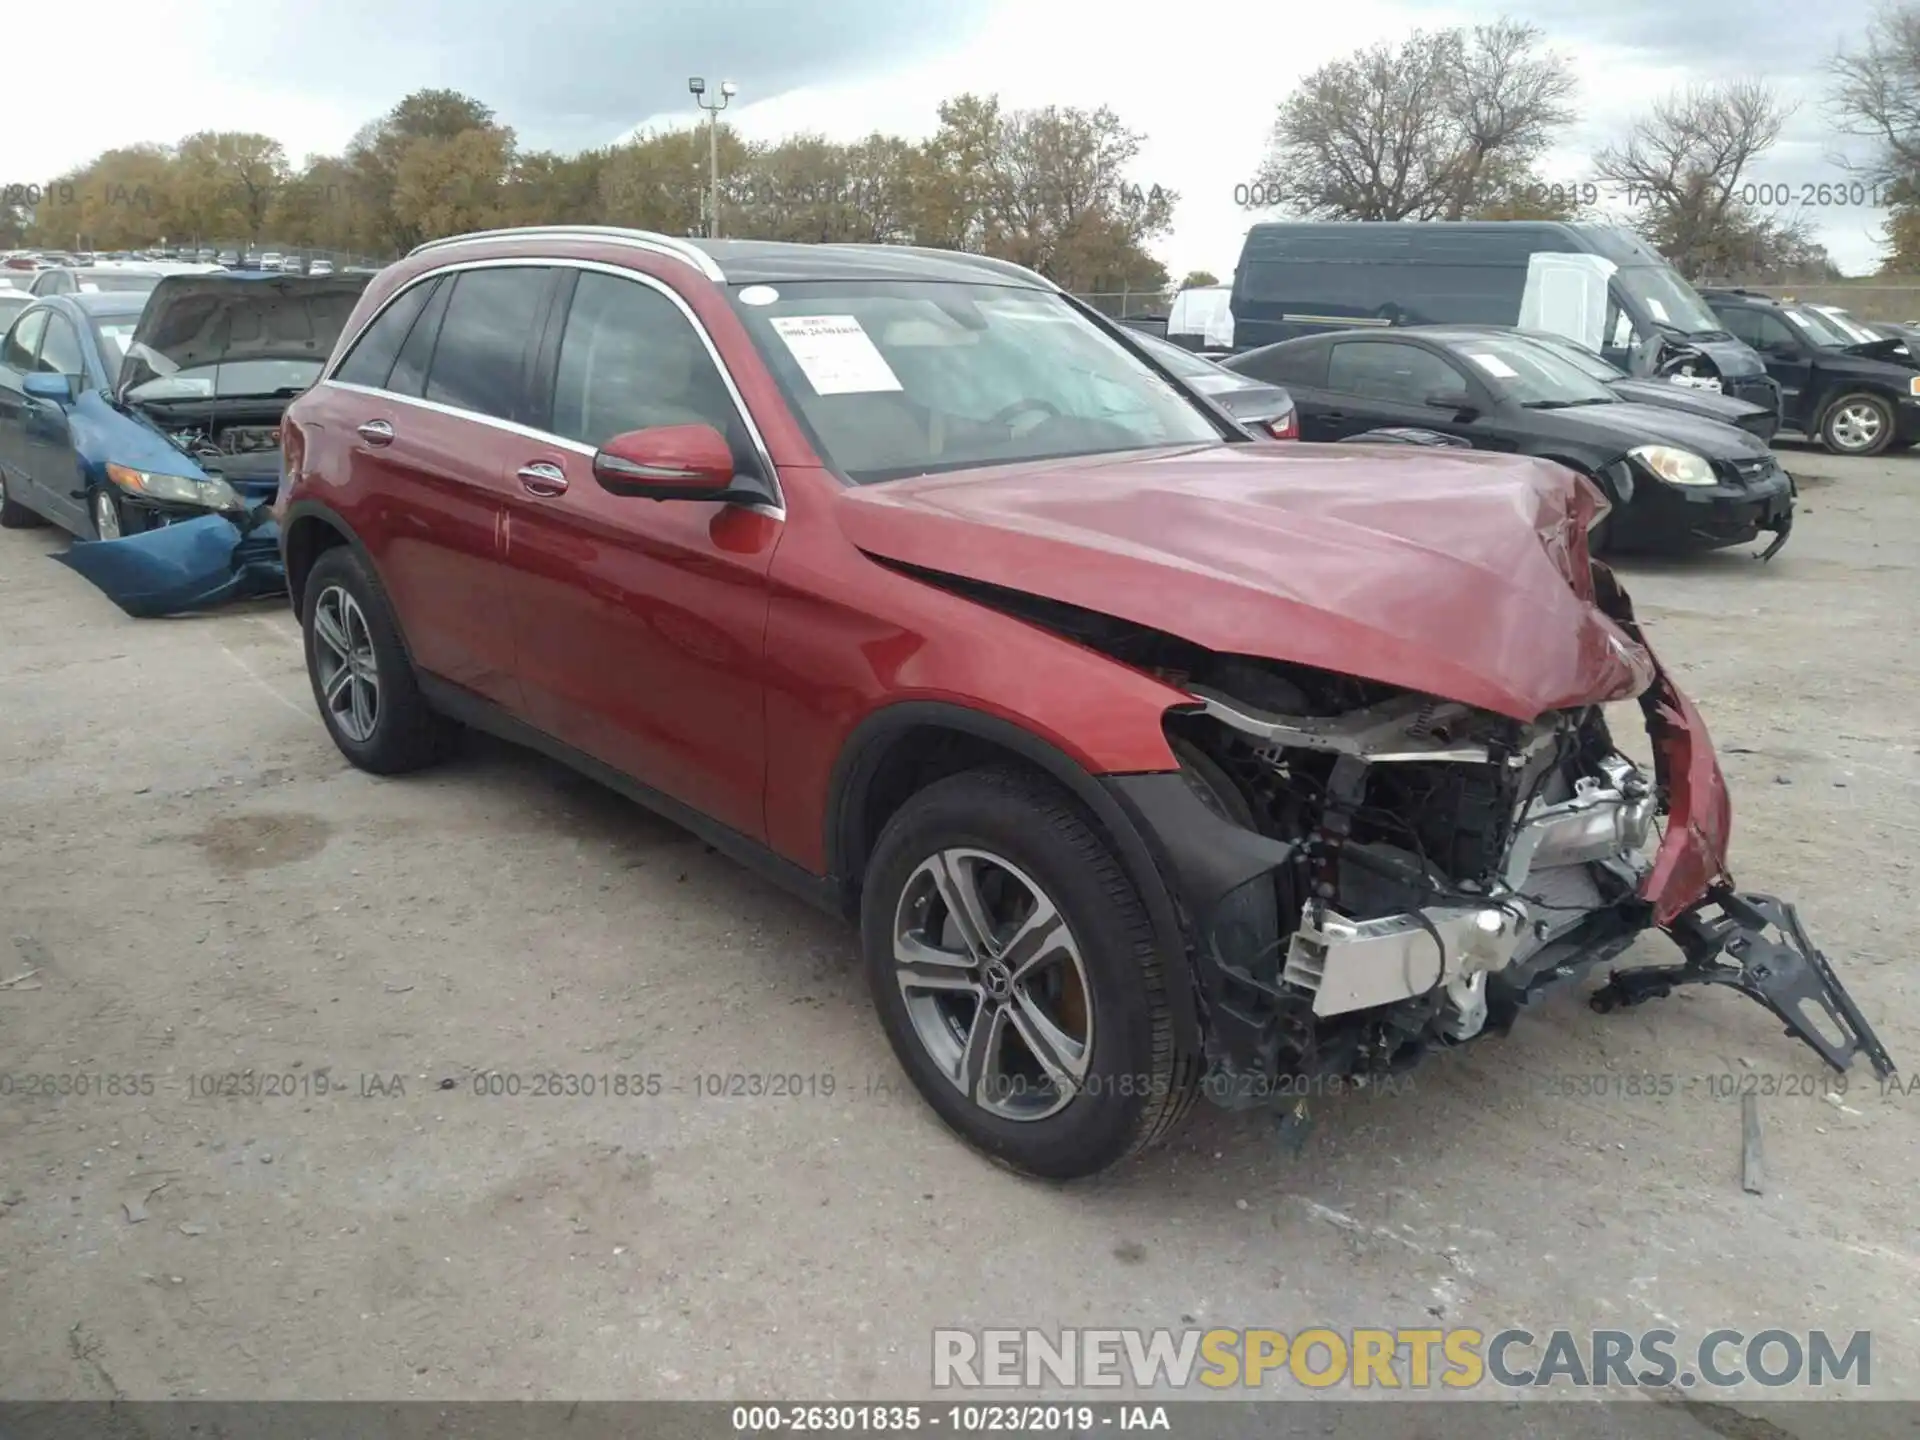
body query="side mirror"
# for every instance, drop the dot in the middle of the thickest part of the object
(1458, 401)
(42, 386)
(666, 462)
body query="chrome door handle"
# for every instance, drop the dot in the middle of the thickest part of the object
(540, 478)
(376, 432)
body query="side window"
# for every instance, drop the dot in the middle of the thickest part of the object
(371, 359)
(1382, 370)
(629, 360)
(60, 352)
(409, 375)
(479, 363)
(23, 340)
(1295, 365)
(1773, 331)
(1741, 323)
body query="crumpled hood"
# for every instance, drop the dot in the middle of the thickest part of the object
(1454, 573)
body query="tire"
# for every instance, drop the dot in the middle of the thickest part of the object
(1005, 836)
(392, 729)
(14, 515)
(1857, 424)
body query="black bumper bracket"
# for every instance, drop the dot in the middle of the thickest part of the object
(1788, 975)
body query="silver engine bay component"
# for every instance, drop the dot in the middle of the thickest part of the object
(1445, 853)
(221, 442)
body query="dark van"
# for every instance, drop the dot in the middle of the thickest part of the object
(1597, 284)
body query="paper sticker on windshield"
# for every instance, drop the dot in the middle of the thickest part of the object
(1494, 365)
(1659, 311)
(759, 295)
(835, 354)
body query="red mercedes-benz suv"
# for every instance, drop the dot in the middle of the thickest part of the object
(1155, 758)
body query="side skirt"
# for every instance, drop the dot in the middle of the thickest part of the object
(821, 891)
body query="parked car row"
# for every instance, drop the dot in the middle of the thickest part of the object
(1154, 751)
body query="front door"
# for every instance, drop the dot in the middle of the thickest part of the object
(640, 623)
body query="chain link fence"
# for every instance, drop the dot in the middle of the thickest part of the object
(1125, 304)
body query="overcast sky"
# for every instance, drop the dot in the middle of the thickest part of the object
(1201, 84)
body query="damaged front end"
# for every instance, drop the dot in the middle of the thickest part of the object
(1372, 874)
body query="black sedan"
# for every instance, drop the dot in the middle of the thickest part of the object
(1676, 481)
(1758, 420)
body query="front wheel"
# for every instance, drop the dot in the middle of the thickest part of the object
(1018, 979)
(1857, 424)
(103, 508)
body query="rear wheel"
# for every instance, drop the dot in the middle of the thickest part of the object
(1018, 978)
(363, 680)
(14, 515)
(1857, 424)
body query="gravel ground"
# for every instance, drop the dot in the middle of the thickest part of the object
(201, 886)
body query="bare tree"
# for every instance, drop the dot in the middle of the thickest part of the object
(1876, 94)
(1686, 161)
(1441, 126)
(1508, 98)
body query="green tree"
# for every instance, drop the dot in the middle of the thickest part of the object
(226, 182)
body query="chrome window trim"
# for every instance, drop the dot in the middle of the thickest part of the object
(649, 240)
(777, 508)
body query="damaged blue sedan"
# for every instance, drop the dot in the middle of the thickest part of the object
(125, 413)
(149, 427)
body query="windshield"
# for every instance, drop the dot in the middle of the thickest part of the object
(1852, 329)
(1668, 299)
(115, 334)
(115, 281)
(1580, 357)
(1531, 374)
(897, 378)
(1821, 329)
(227, 380)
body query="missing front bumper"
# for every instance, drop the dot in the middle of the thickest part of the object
(1726, 940)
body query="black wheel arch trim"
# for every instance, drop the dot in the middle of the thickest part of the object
(316, 510)
(319, 510)
(858, 763)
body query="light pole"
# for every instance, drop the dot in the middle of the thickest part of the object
(727, 91)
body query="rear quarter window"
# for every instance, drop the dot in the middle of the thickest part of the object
(370, 361)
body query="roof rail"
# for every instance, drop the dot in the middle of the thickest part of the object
(615, 234)
(984, 262)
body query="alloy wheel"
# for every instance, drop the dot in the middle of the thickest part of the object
(1855, 426)
(106, 516)
(994, 984)
(348, 669)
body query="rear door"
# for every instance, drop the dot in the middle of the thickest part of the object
(427, 404)
(641, 622)
(17, 352)
(51, 467)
